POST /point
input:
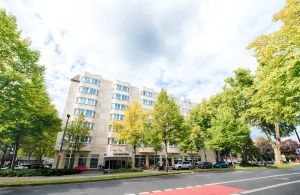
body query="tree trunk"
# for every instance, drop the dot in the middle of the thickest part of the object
(4, 152)
(193, 160)
(205, 157)
(29, 155)
(167, 162)
(16, 148)
(133, 156)
(244, 155)
(155, 161)
(231, 159)
(277, 144)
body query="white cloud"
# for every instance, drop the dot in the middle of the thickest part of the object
(193, 44)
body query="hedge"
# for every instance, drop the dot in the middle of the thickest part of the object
(122, 170)
(37, 172)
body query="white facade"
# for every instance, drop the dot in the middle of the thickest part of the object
(102, 101)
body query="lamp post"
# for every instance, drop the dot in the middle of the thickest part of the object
(62, 141)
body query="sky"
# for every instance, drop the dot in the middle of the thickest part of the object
(186, 46)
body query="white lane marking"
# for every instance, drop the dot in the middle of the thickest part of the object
(179, 188)
(129, 194)
(144, 193)
(268, 187)
(197, 186)
(189, 187)
(253, 178)
(166, 190)
(154, 191)
(204, 175)
(282, 178)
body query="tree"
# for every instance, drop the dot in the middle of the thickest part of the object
(167, 121)
(265, 150)
(25, 108)
(77, 133)
(275, 102)
(227, 132)
(288, 147)
(40, 145)
(228, 128)
(238, 93)
(192, 140)
(200, 116)
(132, 129)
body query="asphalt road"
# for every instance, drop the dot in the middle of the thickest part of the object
(258, 181)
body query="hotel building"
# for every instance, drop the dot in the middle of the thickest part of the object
(102, 101)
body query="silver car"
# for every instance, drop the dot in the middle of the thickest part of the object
(183, 165)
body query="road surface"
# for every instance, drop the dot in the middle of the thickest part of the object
(258, 181)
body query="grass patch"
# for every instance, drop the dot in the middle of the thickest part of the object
(126, 170)
(86, 179)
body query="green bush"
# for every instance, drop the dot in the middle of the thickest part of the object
(37, 172)
(122, 170)
(157, 167)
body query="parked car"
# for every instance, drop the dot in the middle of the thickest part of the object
(205, 165)
(16, 167)
(34, 166)
(183, 165)
(221, 165)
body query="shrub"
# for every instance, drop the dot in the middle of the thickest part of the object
(122, 170)
(157, 167)
(36, 172)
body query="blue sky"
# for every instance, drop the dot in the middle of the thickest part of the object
(188, 46)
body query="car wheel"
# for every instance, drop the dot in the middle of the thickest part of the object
(179, 168)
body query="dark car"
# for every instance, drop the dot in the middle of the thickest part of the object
(205, 165)
(221, 165)
(34, 166)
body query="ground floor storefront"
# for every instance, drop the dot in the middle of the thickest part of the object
(123, 160)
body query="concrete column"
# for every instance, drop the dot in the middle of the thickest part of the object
(62, 161)
(54, 160)
(160, 160)
(173, 160)
(76, 158)
(147, 160)
(88, 161)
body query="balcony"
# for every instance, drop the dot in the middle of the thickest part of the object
(173, 150)
(145, 150)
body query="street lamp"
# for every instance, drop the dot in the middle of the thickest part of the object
(62, 141)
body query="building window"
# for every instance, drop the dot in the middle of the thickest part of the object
(118, 117)
(94, 161)
(87, 101)
(85, 112)
(86, 140)
(186, 103)
(147, 93)
(120, 97)
(185, 110)
(89, 125)
(89, 90)
(148, 102)
(113, 141)
(90, 80)
(82, 160)
(121, 87)
(118, 106)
